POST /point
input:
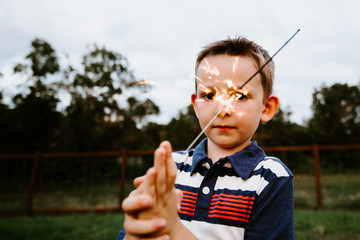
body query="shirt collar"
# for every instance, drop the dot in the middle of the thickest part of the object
(243, 162)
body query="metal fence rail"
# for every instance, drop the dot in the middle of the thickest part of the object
(124, 154)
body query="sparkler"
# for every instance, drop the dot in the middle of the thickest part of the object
(227, 103)
(146, 82)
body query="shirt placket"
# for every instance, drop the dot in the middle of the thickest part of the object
(206, 190)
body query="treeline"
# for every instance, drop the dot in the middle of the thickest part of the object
(107, 110)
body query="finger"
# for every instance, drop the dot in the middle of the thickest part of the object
(167, 146)
(137, 203)
(139, 227)
(159, 164)
(139, 180)
(171, 168)
(148, 186)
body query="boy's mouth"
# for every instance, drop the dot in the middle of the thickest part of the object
(223, 127)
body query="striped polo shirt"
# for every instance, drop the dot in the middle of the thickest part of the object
(243, 196)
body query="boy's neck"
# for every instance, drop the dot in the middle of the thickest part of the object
(216, 152)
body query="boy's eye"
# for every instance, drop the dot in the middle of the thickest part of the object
(241, 96)
(208, 96)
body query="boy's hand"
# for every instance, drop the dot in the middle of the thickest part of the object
(155, 201)
(163, 189)
(140, 200)
(143, 206)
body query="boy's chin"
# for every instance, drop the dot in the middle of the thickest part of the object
(229, 145)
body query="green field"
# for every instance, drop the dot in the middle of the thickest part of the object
(339, 191)
(339, 218)
(309, 225)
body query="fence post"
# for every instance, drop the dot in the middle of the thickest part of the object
(317, 176)
(29, 203)
(122, 177)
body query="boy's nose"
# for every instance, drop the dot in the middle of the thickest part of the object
(225, 110)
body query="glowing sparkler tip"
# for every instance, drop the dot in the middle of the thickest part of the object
(141, 83)
(146, 81)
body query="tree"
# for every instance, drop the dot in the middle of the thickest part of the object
(5, 125)
(34, 117)
(183, 129)
(43, 60)
(98, 117)
(336, 114)
(336, 120)
(280, 131)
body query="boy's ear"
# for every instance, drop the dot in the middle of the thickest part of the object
(270, 108)
(193, 101)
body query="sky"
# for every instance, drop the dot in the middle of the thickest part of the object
(161, 38)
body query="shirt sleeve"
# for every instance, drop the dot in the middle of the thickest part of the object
(121, 235)
(273, 213)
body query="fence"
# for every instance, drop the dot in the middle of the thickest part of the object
(123, 156)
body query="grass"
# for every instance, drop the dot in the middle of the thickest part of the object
(309, 225)
(327, 225)
(339, 191)
(87, 226)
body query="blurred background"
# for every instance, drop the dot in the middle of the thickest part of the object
(88, 89)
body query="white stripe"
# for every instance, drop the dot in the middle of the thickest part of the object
(276, 167)
(255, 183)
(261, 186)
(184, 178)
(210, 231)
(178, 158)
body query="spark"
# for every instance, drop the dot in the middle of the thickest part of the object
(211, 71)
(199, 79)
(229, 83)
(146, 81)
(143, 82)
(234, 64)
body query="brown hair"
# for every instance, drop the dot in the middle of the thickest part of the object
(241, 46)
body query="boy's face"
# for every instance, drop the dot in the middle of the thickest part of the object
(219, 78)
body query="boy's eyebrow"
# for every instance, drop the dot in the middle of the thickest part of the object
(203, 88)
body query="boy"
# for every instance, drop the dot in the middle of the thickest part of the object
(231, 189)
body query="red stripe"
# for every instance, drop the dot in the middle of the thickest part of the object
(187, 204)
(185, 212)
(187, 196)
(228, 217)
(232, 204)
(188, 192)
(187, 208)
(188, 200)
(233, 196)
(229, 213)
(230, 208)
(232, 200)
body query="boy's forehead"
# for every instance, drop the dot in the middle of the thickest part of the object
(216, 61)
(224, 70)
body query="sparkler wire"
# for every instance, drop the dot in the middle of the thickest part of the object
(261, 68)
(204, 129)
